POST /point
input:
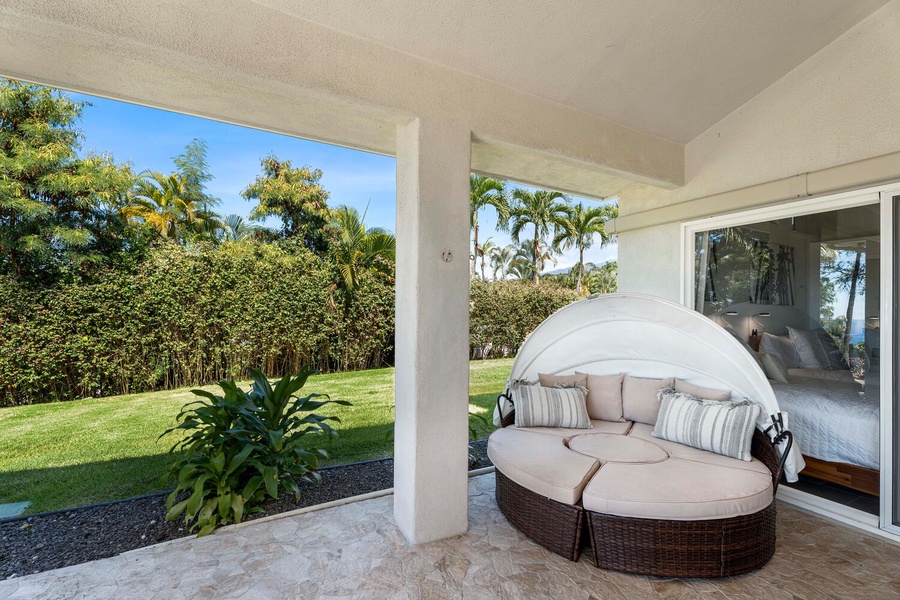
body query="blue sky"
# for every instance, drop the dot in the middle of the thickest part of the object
(148, 138)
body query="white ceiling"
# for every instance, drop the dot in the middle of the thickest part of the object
(671, 68)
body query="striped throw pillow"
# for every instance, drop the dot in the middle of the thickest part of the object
(719, 426)
(538, 406)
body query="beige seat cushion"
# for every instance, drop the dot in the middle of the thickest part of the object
(607, 447)
(541, 463)
(681, 451)
(677, 490)
(597, 426)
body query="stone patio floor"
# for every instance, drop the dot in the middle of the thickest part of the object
(355, 551)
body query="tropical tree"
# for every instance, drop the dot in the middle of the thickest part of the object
(484, 192)
(235, 229)
(161, 202)
(355, 248)
(502, 260)
(546, 212)
(602, 279)
(296, 196)
(193, 168)
(58, 212)
(582, 225)
(846, 269)
(485, 250)
(526, 262)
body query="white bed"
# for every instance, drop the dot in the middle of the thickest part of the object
(832, 420)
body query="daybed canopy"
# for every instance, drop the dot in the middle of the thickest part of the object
(646, 336)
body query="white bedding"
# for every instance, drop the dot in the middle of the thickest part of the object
(831, 420)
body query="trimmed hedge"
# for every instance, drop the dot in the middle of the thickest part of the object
(188, 317)
(503, 313)
(193, 316)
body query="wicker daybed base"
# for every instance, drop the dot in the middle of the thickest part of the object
(704, 548)
(556, 526)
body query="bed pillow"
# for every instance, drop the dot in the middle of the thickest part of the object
(843, 375)
(774, 367)
(604, 397)
(576, 380)
(640, 398)
(539, 406)
(809, 349)
(723, 427)
(825, 350)
(783, 347)
(701, 392)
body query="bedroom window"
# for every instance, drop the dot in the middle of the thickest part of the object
(805, 290)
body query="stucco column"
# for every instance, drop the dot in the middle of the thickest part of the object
(432, 331)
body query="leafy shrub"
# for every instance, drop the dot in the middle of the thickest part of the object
(503, 313)
(243, 446)
(199, 314)
(188, 316)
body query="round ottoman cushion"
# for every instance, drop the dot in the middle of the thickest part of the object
(617, 448)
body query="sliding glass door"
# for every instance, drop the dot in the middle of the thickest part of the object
(802, 287)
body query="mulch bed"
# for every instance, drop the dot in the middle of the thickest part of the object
(52, 540)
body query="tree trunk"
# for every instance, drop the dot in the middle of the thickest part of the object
(482, 266)
(580, 268)
(474, 246)
(537, 267)
(845, 345)
(701, 270)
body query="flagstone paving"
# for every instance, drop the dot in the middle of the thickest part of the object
(355, 551)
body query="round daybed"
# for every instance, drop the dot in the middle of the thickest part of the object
(641, 504)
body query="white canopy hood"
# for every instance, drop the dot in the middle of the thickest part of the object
(646, 336)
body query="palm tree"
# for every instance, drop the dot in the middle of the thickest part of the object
(356, 248)
(581, 227)
(161, 202)
(526, 263)
(546, 211)
(502, 260)
(603, 279)
(236, 228)
(486, 248)
(484, 192)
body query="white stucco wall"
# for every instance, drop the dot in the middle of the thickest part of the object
(650, 261)
(840, 106)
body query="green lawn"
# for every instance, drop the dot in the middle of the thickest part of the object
(74, 453)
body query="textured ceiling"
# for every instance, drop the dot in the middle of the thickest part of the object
(670, 68)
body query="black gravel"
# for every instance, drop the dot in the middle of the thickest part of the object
(52, 540)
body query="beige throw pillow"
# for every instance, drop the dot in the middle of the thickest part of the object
(576, 380)
(684, 387)
(604, 397)
(639, 398)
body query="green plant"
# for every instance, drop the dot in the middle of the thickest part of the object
(473, 436)
(243, 446)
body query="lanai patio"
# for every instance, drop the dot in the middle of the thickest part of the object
(356, 551)
(682, 111)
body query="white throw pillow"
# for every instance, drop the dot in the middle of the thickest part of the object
(538, 406)
(774, 367)
(783, 347)
(723, 427)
